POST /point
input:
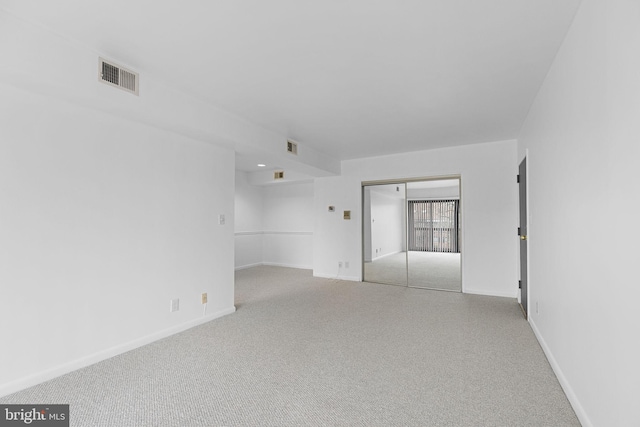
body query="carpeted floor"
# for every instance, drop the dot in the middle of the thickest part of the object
(431, 270)
(304, 351)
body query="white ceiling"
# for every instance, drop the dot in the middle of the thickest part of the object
(351, 78)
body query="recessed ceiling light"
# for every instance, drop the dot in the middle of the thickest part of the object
(261, 165)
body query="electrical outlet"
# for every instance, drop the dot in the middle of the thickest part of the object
(346, 264)
(204, 298)
(339, 264)
(174, 305)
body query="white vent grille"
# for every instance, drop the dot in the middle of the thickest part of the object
(115, 75)
(292, 147)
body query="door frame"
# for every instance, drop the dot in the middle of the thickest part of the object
(523, 231)
(364, 184)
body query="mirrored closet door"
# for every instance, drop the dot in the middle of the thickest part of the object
(385, 237)
(411, 233)
(433, 234)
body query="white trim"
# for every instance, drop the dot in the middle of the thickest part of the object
(491, 294)
(277, 264)
(48, 374)
(564, 383)
(333, 276)
(274, 264)
(243, 267)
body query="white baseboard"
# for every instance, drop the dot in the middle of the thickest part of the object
(46, 375)
(489, 294)
(277, 264)
(568, 390)
(242, 267)
(338, 277)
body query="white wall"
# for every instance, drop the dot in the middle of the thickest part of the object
(388, 224)
(109, 206)
(249, 234)
(288, 225)
(336, 239)
(488, 203)
(582, 141)
(274, 224)
(102, 222)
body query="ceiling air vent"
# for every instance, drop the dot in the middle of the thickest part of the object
(115, 75)
(278, 175)
(292, 147)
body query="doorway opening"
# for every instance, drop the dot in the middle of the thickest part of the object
(412, 233)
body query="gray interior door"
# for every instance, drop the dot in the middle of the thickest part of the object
(522, 231)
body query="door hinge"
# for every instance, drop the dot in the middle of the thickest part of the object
(518, 179)
(519, 284)
(519, 231)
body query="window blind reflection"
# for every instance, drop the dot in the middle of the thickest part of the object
(433, 225)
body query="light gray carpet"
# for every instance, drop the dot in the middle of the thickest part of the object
(304, 351)
(432, 270)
